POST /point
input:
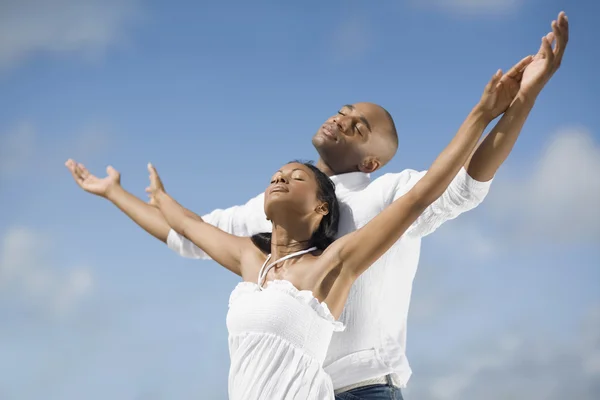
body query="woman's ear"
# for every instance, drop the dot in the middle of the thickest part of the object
(322, 209)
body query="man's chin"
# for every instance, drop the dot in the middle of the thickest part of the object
(321, 142)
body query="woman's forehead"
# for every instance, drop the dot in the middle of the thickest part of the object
(294, 166)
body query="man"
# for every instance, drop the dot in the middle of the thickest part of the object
(367, 360)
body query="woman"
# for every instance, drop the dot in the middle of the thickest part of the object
(296, 281)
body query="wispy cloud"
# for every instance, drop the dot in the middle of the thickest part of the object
(23, 150)
(472, 7)
(351, 39)
(555, 202)
(17, 147)
(28, 275)
(518, 365)
(559, 199)
(63, 26)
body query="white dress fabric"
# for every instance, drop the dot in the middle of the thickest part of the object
(278, 340)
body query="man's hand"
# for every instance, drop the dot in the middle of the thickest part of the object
(93, 184)
(547, 61)
(502, 89)
(156, 188)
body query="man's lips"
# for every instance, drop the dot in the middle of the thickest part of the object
(279, 188)
(330, 131)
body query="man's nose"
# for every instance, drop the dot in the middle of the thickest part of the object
(342, 124)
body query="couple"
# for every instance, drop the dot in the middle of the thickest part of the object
(324, 248)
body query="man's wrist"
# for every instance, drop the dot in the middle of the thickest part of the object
(160, 197)
(113, 192)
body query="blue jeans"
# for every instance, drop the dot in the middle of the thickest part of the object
(372, 392)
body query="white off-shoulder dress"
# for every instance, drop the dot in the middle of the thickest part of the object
(278, 339)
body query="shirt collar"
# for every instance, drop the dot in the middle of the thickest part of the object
(350, 181)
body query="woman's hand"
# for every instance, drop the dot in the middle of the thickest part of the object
(502, 89)
(156, 190)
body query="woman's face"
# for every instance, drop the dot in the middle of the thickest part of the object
(293, 191)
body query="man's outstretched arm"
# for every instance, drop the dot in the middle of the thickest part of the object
(242, 220)
(497, 145)
(472, 183)
(143, 214)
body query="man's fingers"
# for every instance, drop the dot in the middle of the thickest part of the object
(152, 170)
(547, 49)
(78, 171)
(83, 170)
(560, 29)
(72, 166)
(73, 169)
(558, 45)
(563, 21)
(154, 178)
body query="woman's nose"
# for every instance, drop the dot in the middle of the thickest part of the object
(281, 179)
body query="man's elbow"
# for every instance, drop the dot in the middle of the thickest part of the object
(185, 226)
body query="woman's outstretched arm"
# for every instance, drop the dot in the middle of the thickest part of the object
(358, 250)
(224, 248)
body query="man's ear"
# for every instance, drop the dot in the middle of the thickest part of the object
(369, 164)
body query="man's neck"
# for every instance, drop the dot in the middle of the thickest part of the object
(322, 165)
(327, 170)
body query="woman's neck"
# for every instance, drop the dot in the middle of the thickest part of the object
(287, 240)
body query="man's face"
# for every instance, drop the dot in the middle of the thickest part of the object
(357, 138)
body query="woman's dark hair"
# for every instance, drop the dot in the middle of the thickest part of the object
(327, 230)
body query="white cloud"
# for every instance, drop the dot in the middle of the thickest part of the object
(23, 150)
(92, 140)
(82, 26)
(518, 366)
(351, 39)
(553, 200)
(559, 198)
(27, 274)
(470, 7)
(16, 149)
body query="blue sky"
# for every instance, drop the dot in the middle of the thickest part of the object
(507, 299)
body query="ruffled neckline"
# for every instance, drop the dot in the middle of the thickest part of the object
(284, 286)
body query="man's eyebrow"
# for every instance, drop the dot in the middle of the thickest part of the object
(361, 117)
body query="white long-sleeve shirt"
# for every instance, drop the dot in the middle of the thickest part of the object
(375, 314)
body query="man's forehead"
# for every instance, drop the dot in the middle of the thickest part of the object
(370, 113)
(366, 107)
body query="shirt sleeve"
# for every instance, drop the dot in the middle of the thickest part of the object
(463, 194)
(245, 220)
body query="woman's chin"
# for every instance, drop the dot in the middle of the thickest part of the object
(278, 206)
